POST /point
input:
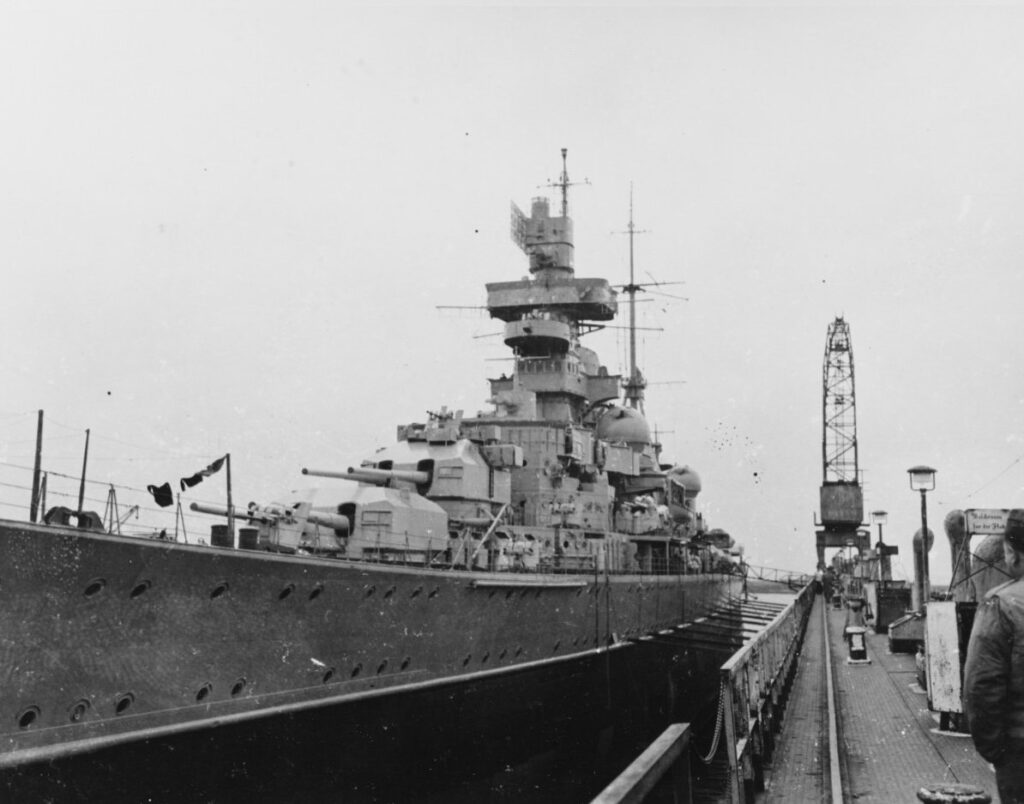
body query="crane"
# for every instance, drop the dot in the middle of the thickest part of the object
(841, 496)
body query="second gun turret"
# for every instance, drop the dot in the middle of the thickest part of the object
(377, 477)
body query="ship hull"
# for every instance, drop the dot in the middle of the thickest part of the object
(555, 731)
(157, 662)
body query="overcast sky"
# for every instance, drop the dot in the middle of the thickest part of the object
(227, 228)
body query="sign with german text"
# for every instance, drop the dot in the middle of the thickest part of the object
(986, 521)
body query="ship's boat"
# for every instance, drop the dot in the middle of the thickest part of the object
(493, 562)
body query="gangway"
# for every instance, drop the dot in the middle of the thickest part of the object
(790, 578)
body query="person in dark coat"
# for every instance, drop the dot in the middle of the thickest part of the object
(994, 672)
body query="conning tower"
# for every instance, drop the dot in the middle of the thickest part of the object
(555, 378)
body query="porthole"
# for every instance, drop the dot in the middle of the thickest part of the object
(204, 692)
(123, 702)
(509, 594)
(78, 710)
(466, 661)
(28, 716)
(316, 591)
(141, 588)
(238, 687)
(558, 644)
(220, 589)
(434, 591)
(370, 590)
(328, 674)
(503, 654)
(406, 662)
(519, 650)
(357, 669)
(382, 667)
(286, 591)
(417, 591)
(94, 587)
(485, 657)
(390, 592)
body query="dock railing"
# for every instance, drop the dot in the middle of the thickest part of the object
(754, 685)
(663, 768)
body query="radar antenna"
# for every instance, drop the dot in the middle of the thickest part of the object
(519, 227)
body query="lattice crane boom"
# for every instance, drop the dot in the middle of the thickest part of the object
(839, 407)
(841, 497)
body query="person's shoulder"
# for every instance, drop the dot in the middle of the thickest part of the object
(1010, 590)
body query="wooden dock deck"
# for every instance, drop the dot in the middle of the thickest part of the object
(888, 744)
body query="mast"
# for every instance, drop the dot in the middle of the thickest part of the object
(634, 385)
(563, 182)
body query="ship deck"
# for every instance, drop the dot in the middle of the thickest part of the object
(889, 743)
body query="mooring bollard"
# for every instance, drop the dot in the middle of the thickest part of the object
(953, 794)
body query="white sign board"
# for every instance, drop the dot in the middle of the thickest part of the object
(986, 521)
(942, 649)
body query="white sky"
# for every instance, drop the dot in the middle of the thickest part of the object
(226, 227)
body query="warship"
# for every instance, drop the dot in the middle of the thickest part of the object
(478, 598)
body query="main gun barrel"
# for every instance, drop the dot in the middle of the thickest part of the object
(222, 510)
(336, 522)
(325, 519)
(378, 477)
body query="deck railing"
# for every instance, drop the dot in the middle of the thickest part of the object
(754, 685)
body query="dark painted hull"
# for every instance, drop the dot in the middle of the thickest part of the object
(136, 668)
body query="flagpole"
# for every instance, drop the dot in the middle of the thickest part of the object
(231, 511)
(81, 487)
(33, 513)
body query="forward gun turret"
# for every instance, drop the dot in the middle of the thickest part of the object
(273, 514)
(376, 477)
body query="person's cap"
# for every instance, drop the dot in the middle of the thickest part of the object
(1015, 528)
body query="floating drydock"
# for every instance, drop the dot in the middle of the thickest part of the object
(466, 610)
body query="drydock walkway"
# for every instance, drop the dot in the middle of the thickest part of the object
(889, 743)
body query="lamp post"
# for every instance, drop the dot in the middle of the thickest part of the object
(884, 572)
(922, 478)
